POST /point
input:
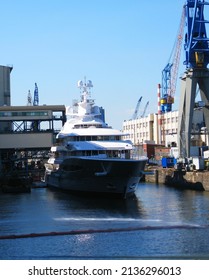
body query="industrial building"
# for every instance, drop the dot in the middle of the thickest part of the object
(148, 130)
(25, 130)
(29, 126)
(5, 96)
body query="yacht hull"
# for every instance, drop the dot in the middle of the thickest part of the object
(110, 176)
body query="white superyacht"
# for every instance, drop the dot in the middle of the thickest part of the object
(90, 156)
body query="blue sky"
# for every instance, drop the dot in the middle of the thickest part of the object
(121, 45)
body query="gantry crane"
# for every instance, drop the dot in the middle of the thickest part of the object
(170, 72)
(135, 114)
(196, 48)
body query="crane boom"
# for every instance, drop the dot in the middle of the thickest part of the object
(177, 55)
(170, 72)
(145, 108)
(135, 114)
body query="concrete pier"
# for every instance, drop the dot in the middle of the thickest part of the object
(190, 180)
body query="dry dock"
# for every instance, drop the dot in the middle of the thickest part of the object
(197, 180)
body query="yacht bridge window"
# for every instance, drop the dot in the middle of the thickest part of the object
(91, 138)
(90, 153)
(87, 125)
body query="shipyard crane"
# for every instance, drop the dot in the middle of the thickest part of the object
(196, 41)
(29, 103)
(36, 97)
(145, 108)
(35, 125)
(196, 47)
(135, 114)
(170, 72)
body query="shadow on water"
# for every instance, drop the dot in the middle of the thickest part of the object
(97, 204)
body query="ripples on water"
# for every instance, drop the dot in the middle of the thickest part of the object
(162, 222)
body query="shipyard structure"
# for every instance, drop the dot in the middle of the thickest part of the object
(189, 126)
(163, 136)
(26, 132)
(179, 139)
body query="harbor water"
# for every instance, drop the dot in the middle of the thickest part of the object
(159, 222)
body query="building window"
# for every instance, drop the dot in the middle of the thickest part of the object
(23, 114)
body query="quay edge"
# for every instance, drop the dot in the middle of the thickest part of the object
(193, 179)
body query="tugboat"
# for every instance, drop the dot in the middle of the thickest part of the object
(89, 155)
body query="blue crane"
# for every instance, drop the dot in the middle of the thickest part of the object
(196, 47)
(196, 44)
(36, 98)
(170, 72)
(35, 125)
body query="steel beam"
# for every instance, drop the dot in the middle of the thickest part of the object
(189, 83)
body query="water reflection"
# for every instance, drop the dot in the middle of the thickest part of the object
(174, 205)
(131, 207)
(169, 222)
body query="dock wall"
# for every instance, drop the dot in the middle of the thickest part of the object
(159, 175)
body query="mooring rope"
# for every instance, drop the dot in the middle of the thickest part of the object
(91, 231)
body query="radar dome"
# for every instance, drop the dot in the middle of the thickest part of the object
(80, 83)
(89, 83)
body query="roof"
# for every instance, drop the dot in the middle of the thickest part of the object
(54, 108)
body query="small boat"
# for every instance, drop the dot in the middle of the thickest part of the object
(89, 155)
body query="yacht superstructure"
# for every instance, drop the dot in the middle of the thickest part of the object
(89, 155)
